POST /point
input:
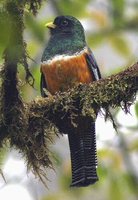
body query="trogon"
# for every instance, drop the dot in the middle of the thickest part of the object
(68, 61)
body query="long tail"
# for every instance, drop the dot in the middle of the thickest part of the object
(83, 155)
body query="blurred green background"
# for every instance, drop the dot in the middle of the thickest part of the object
(111, 28)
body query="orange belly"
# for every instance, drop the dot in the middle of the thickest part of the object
(62, 74)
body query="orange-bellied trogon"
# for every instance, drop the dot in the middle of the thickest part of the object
(66, 62)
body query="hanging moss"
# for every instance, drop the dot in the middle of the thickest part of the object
(34, 5)
(13, 116)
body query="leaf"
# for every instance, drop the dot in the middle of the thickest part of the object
(119, 43)
(3, 155)
(136, 109)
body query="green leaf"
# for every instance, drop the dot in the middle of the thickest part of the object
(119, 43)
(136, 109)
(3, 155)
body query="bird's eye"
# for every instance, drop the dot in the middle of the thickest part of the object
(64, 23)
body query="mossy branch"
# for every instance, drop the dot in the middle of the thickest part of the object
(47, 117)
(86, 100)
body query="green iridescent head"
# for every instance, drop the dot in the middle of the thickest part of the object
(66, 26)
(66, 37)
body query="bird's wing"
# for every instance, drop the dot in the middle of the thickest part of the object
(43, 85)
(92, 64)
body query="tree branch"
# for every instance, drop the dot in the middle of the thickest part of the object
(47, 116)
(44, 118)
(115, 91)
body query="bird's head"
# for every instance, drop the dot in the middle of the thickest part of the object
(66, 26)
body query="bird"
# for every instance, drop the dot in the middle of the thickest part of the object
(67, 61)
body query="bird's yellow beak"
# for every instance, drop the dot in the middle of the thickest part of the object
(50, 25)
